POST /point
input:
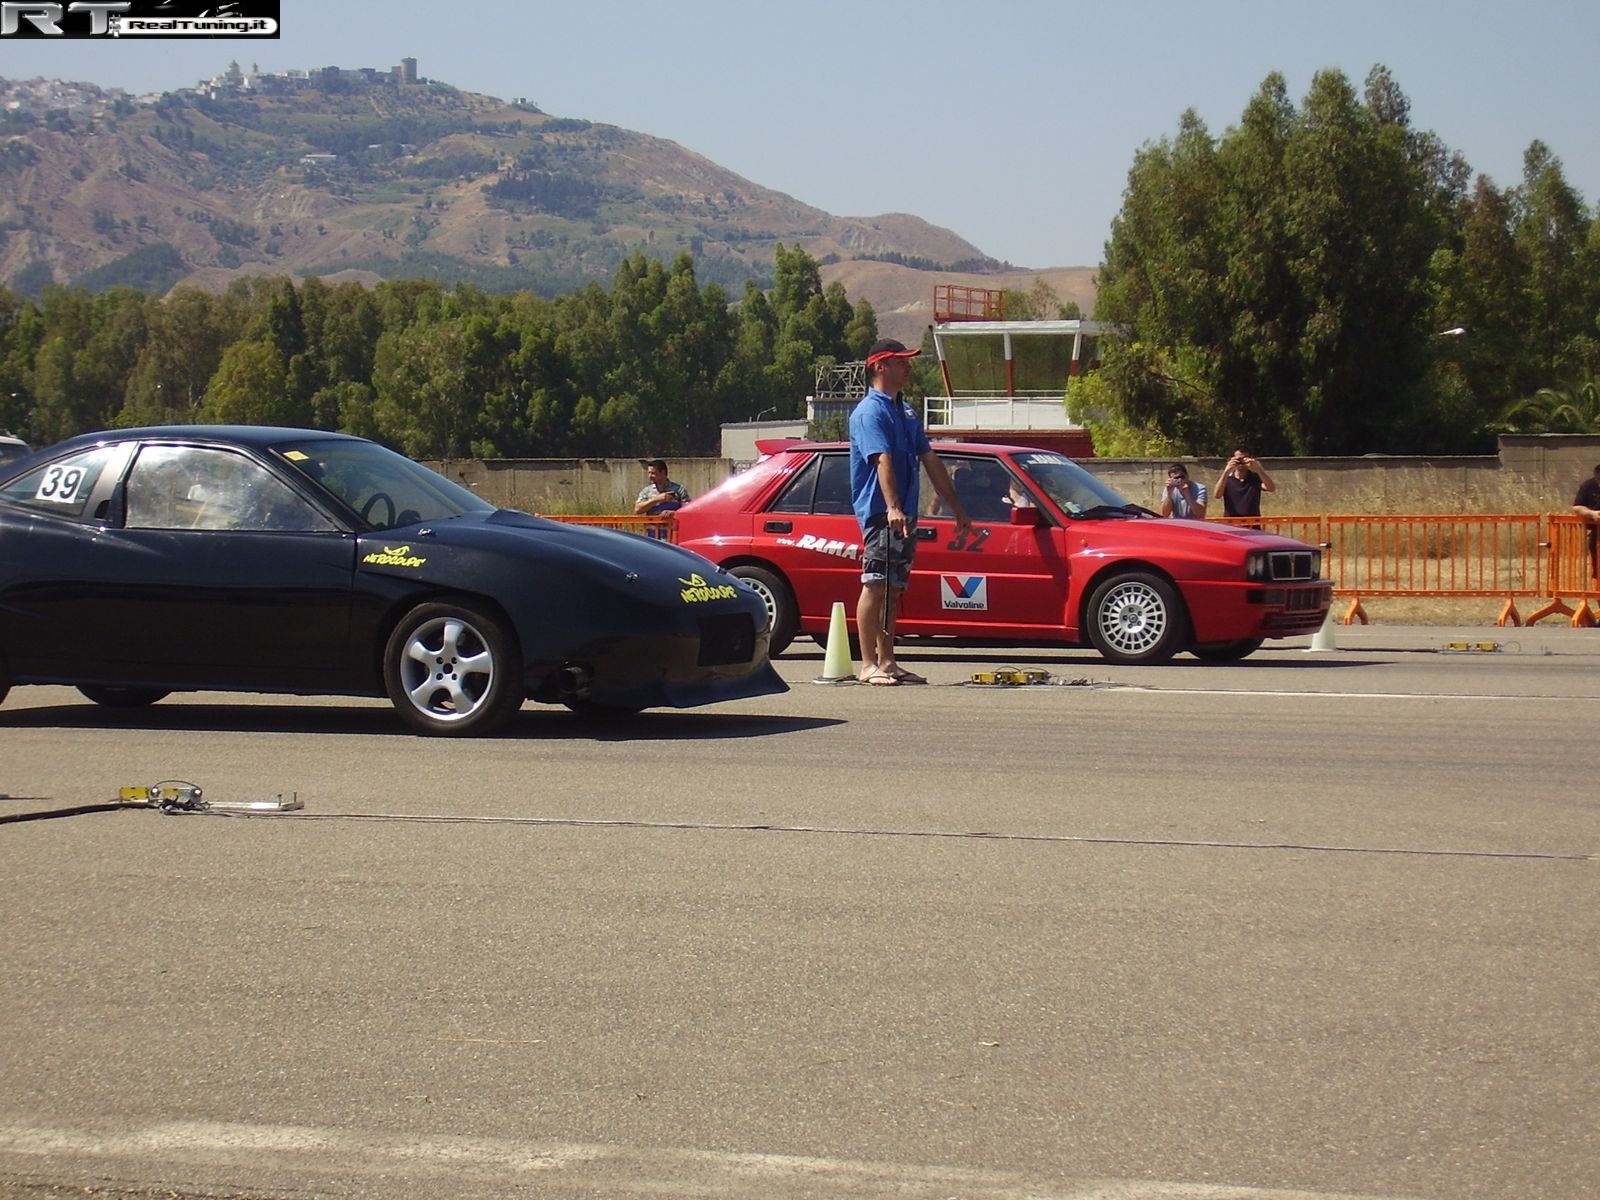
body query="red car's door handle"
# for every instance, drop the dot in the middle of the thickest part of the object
(925, 533)
(778, 527)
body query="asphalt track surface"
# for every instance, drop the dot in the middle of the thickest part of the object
(1320, 924)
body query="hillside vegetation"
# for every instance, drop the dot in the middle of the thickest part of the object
(424, 181)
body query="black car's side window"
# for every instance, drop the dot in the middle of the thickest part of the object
(63, 488)
(198, 487)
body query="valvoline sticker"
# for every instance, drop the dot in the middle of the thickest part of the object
(968, 592)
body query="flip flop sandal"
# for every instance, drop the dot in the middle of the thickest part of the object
(905, 676)
(877, 677)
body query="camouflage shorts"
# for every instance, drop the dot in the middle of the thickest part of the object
(886, 555)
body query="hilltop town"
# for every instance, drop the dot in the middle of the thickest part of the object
(86, 100)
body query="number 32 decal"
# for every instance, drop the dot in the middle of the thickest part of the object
(972, 539)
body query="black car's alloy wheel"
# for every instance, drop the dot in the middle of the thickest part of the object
(452, 670)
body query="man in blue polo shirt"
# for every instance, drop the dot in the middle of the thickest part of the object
(887, 448)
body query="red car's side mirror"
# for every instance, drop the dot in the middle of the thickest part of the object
(1026, 514)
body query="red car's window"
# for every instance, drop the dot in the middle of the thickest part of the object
(822, 486)
(796, 498)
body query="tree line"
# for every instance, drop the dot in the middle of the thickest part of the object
(1327, 279)
(1319, 279)
(653, 364)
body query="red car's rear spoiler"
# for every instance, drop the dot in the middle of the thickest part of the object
(778, 445)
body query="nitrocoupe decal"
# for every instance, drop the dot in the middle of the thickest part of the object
(394, 556)
(697, 591)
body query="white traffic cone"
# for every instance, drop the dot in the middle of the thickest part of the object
(1324, 639)
(837, 665)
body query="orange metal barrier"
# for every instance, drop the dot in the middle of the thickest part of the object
(1572, 571)
(1452, 557)
(662, 528)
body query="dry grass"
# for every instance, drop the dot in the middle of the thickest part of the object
(1411, 610)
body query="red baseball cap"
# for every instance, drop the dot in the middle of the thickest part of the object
(888, 348)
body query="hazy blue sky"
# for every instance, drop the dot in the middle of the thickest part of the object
(1012, 123)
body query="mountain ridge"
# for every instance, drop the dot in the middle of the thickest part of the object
(355, 175)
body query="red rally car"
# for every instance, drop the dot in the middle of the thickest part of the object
(1054, 555)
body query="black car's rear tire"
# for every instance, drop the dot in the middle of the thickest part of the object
(124, 697)
(1226, 651)
(782, 613)
(452, 670)
(1137, 618)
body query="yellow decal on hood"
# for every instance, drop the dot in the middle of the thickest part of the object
(698, 591)
(394, 556)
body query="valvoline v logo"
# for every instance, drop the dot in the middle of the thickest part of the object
(964, 592)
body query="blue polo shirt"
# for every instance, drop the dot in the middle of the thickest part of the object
(880, 424)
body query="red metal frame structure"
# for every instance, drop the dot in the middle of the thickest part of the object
(958, 302)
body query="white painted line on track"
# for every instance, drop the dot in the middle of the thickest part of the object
(1163, 691)
(358, 1158)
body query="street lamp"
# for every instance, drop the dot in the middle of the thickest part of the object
(764, 412)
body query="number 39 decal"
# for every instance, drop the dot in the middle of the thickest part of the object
(61, 485)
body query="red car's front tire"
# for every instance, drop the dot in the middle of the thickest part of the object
(783, 616)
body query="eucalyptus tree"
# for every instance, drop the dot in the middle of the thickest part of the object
(1273, 282)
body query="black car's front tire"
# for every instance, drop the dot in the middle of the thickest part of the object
(123, 697)
(783, 615)
(452, 670)
(1136, 618)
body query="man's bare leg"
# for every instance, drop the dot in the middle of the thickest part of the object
(877, 647)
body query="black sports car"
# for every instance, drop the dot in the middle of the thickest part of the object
(139, 562)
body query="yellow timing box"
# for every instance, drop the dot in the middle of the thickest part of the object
(1486, 647)
(1011, 677)
(183, 793)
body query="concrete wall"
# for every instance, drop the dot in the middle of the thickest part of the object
(1532, 473)
(739, 438)
(596, 485)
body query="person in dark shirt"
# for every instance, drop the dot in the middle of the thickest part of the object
(1587, 505)
(1240, 485)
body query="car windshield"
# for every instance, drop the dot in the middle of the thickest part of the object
(1078, 493)
(387, 489)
